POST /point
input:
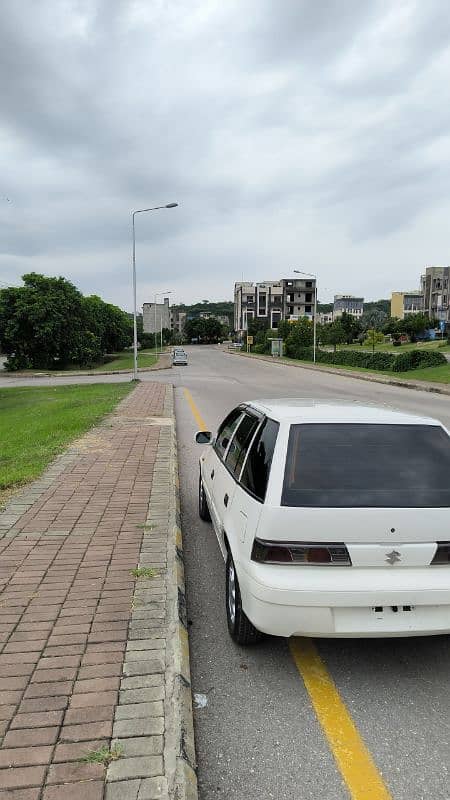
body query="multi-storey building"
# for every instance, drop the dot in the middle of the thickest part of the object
(155, 316)
(273, 301)
(405, 303)
(348, 304)
(298, 298)
(436, 290)
(177, 320)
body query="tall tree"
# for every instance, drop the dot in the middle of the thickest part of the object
(41, 323)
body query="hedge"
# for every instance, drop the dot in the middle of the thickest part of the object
(418, 358)
(378, 361)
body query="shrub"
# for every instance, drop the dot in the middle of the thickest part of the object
(418, 358)
(403, 362)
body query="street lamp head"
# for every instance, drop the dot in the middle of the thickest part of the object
(171, 205)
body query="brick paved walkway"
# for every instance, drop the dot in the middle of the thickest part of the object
(66, 627)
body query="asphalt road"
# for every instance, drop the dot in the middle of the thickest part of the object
(258, 736)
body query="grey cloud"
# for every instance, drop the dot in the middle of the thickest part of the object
(272, 124)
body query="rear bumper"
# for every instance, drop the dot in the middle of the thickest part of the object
(341, 602)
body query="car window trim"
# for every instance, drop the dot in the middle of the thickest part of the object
(245, 411)
(245, 488)
(239, 408)
(252, 412)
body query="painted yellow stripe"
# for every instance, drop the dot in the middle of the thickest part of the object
(354, 761)
(195, 412)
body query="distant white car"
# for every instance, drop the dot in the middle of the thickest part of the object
(179, 357)
(333, 519)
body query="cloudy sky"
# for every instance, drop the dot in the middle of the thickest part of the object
(310, 134)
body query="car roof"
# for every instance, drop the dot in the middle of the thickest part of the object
(296, 410)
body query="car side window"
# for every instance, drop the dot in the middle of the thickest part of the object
(255, 474)
(240, 443)
(226, 431)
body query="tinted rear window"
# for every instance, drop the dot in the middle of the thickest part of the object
(376, 466)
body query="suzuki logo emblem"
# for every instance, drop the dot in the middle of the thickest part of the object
(393, 557)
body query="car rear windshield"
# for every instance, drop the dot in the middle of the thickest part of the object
(375, 466)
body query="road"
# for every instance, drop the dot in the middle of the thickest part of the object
(258, 736)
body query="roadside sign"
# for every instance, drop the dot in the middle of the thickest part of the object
(249, 339)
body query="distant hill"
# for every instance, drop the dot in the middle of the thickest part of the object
(379, 305)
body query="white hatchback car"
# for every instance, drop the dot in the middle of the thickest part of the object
(333, 519)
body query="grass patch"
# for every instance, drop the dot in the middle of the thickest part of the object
(144, 572)
(437, 344)
(125, 360)
(147, 526)
(37, 423)
(103, 755)
(439, 374)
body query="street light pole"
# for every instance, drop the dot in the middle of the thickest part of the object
(299, 272)
(133, 214)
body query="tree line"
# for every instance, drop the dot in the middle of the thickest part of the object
(48, 324)
(344, 330)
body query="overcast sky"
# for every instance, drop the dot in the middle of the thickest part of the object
(310, 134)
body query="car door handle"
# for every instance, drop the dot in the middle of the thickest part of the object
(225, 500)
(212, 474)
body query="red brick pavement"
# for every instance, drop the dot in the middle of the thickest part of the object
(65, 602)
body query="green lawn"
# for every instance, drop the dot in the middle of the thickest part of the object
(439, 374)
(389, 348)
(125, 360)
(38, 423)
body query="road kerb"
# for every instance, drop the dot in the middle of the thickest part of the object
(178, 675)
(344, 373)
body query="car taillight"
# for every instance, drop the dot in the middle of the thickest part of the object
(442, 554)
(335, 555)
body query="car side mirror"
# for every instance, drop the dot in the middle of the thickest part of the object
(203, 437)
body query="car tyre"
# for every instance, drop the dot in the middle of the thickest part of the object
(203, 510)
(242, 631)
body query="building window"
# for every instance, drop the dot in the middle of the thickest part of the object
(262, 304)
(275, 318)
(308, 284)
(308, 309)
(308, 297)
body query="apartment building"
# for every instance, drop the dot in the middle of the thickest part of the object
(405, 303)
(272, 301)
(153, 314)
(348, 303)
(436, 289)
(177, 320)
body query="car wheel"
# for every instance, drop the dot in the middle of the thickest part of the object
(239, 625)
(203, 510)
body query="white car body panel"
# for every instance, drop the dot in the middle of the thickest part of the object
(332, 601)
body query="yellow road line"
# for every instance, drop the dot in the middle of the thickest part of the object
(195, 412)
(354, 761)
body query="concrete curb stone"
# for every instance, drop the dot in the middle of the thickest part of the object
(426, 387)
(153, 722)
